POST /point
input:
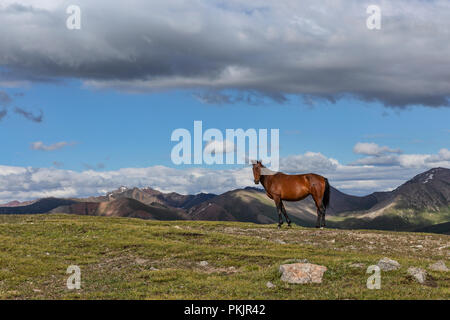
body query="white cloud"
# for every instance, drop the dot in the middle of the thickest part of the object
(372, 149)
(308, 162)
(39, 145)
(371, 173)
(441, 159)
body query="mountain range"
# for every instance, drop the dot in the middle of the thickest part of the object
(420, 204)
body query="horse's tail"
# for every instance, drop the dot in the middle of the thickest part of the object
(326, 194)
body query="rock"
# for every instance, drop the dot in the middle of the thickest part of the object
(387, 264)
(439, 266)
(203, 263)
(270, 285)
(357, 265)
(289, 261)
(153, 269)
(420, 275)
(280, 241)
(302, 273)
(140, 261)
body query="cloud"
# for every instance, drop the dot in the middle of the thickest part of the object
(39, 145)
(272, 48)
(442, 159)
(58, 164)
(5, 99)
(29, 115)
(373, 149)
(3, 113)
(308, 162)
(25, 183)
(99, 165)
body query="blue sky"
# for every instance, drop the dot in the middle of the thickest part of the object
(86, 110)
(133, 129)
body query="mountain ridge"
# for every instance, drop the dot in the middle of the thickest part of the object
(416, 204)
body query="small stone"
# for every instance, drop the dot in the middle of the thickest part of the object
(420, 275)
(357, 265)
(37, 290)
(387, 264)
(153, 269)
(439, 266)
(177, 227)
(140, 261)
(302, 273)
(203, 263)
(280, 241)
(270, 285)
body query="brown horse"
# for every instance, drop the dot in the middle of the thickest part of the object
(280, 186)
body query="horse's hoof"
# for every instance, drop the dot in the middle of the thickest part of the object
(289, 225)
(321, 228)
(279, 226)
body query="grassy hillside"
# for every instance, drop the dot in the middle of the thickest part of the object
(394, 219)
(124, 258)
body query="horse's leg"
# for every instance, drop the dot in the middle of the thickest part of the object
(278, 204)
(318, 219)
(285, 214)
(319, 206)
(323, 214)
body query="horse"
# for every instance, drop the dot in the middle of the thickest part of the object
(280, 186)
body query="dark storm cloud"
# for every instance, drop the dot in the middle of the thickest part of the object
(306, 48)
(29, 115)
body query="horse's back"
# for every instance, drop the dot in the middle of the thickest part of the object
(291, 187)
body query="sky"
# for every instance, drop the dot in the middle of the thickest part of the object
(85, 111)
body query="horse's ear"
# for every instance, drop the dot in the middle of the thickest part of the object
(259, 161)
(253, 162)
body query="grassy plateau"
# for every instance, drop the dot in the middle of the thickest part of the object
(125, 258)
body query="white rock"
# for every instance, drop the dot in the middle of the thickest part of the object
(439, 266)
(270, 285)
(357, 265)
(387, 264)
(140, 261)
(302, 273)
(203, 263)
(420, 275)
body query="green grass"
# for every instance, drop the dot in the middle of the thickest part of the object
(124, 258)
(393, 218)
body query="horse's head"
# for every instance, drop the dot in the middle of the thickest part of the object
(257, 171)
